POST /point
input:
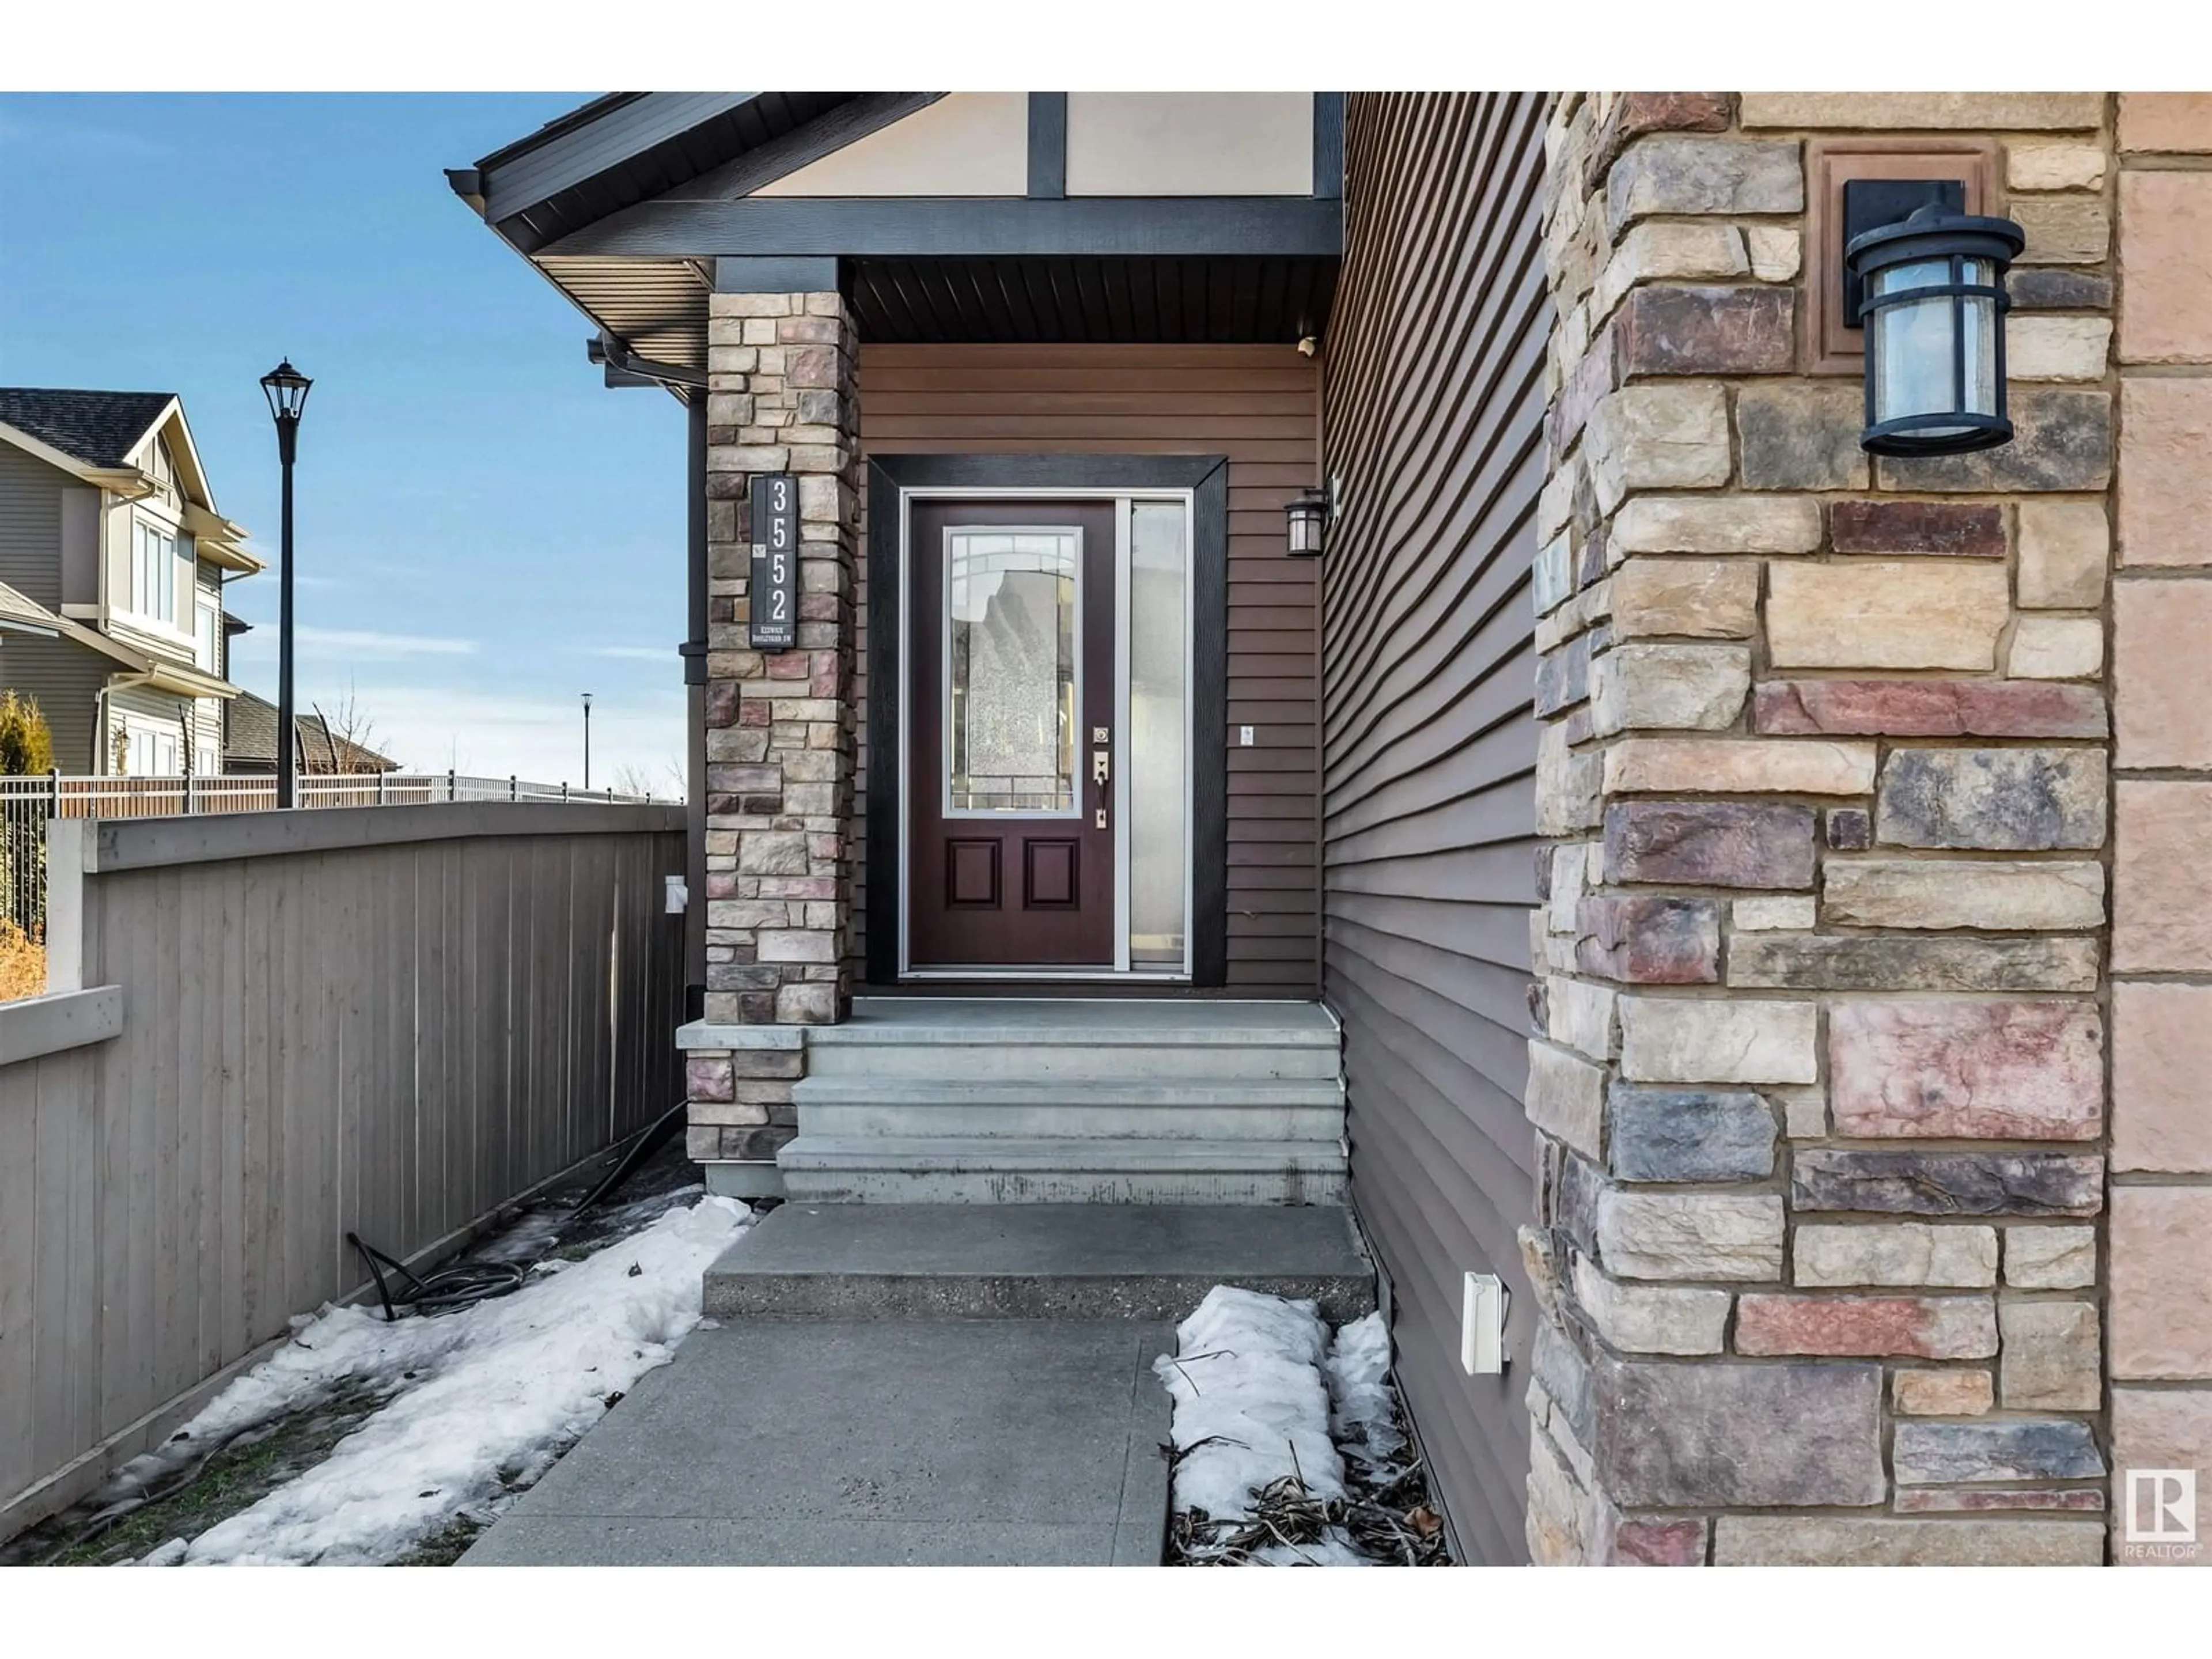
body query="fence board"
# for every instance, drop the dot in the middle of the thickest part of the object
(392, 1036)
(19, 1198)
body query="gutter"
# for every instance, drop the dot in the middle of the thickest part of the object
(619, 358)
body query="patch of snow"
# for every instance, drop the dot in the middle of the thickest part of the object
(1362, 1415)
(1250, 1405)
(478, 1404)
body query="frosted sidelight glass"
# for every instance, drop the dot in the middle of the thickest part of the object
(1159, 693)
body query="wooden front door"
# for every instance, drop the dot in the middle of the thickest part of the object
(1011, 831)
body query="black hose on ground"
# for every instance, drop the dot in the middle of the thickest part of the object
(468, 1283)
(646, 1141)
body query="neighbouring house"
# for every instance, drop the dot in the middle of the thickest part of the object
(250, 737)
(1733, 863)
(110, 534)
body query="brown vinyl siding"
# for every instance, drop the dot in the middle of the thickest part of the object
(1259, 406)
(1433, 411)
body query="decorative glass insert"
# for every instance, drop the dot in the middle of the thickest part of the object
(1012, 643)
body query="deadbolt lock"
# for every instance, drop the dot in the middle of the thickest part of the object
(1100, 734)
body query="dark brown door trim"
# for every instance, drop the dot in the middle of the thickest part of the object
(1207, 477)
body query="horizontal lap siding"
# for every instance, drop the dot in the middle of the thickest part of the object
(1433, 412)
(1256, 404)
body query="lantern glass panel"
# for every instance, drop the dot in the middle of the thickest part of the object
(1914, 357)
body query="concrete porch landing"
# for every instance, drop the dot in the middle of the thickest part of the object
(941, 1442)
(1035, 1260)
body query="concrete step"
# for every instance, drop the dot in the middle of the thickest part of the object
(1066, 1170)
(1034, 1261)
(1080, 1058)
(1310, 1108)
(1104, 1041)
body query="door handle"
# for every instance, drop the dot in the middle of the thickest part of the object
(1098, 766)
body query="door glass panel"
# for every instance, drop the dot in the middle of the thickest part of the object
(1159, 640)
(1011, 650)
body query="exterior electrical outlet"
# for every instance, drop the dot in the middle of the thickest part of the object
(1482, 1326)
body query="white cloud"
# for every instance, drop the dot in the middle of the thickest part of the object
(636, 653)
(385, 646)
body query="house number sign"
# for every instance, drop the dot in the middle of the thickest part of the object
(774, 587)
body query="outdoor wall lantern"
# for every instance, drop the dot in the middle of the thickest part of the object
(1930, 294)
(1308, 515)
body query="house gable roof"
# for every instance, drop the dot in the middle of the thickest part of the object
(98, 429)
(106, 437)
(638, 217)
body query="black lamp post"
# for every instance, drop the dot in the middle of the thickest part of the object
(1934, 311)
(587, 739)
(286, 391)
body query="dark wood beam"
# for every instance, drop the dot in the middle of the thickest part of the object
(802, 274)
(1328, 144)
(1196, 226)
(1048, 145)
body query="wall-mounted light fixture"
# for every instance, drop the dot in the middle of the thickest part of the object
(1309, 512)
(1930, 294)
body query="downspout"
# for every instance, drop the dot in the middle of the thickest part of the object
(694, 699)
(102, 740)
(688, 384)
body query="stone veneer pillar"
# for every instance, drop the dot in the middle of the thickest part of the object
(1818, 1069)
(780, 724)
(2161, 1197)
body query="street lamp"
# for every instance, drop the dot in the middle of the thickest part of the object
(587, 739)
(286, 389)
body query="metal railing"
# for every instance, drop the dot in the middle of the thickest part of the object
(26, 803)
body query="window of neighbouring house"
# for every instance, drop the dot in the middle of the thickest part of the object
(150, 753)
(153, 570)
(162, 466)
(205, 638)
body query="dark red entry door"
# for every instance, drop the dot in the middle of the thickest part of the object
(1010, 731)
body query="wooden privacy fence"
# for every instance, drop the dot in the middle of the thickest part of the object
(264, 1031)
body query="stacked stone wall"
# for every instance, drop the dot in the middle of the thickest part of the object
(2161, 1267)
(1820, 1020)
(780, 724)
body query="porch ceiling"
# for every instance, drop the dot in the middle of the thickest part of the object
(1223, 302)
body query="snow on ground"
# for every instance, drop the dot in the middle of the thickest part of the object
(482, 1401)
(1362, 1415)
(1262, 1392)
(1250, 1404)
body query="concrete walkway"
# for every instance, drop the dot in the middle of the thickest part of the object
(925, 1384)
(842, 1443)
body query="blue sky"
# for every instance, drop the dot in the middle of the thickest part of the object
(484, 529)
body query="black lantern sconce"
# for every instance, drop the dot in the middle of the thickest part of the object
(1310, 512)
(1929, 289)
